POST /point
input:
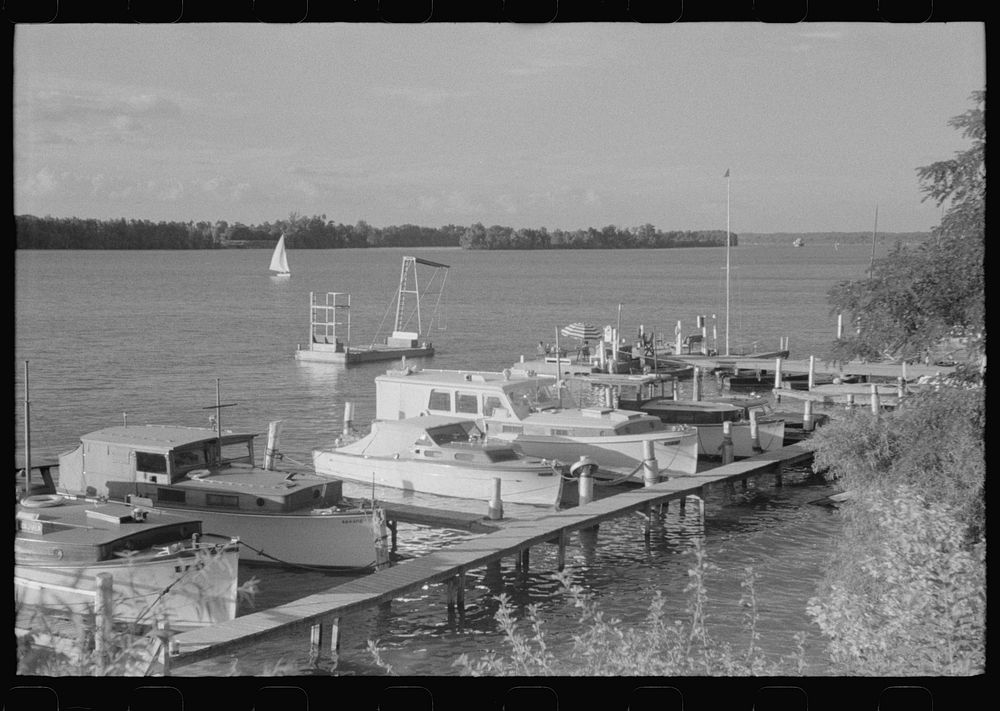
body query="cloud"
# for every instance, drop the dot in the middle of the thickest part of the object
(422, 95)
(42, 183)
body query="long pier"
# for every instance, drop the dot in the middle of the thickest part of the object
(879, 370)
(321, 612)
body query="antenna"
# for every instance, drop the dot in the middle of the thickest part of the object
(218, 408)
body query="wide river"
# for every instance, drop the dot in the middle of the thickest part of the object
(149, 333)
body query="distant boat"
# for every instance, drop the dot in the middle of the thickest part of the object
(798, 242)
(279, 260)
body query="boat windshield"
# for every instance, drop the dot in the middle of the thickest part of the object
(534, 397)
(460, 432)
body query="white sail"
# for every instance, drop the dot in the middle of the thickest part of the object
(279, 260)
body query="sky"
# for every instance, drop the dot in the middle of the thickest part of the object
(562, 126)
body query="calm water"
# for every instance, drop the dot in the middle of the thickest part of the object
(148, 334)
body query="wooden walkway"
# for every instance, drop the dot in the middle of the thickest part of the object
(451, 563)
(879, 370)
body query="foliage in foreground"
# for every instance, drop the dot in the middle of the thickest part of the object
(905, 593)
(934, 443)
(606, 647)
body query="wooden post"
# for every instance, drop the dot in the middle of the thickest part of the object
(812, 372)
(335, 639)
(779, 470)
(561, 555)
(754, 433)
(495, 511)
(675, 388)
(680, 339)
(391, 524)
(165, 645)
(850, 401)
(315, 642)
(696, 384)
(777, 373)
(840, 326)
(874, 398)
(348, 417)
(271, 452)
(807, 416)
(103, 616)
(586, 485)
(727, 442)
(650, 469)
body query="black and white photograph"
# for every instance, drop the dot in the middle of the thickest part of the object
(641, 351)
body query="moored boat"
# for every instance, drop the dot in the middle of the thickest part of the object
(443, 456)
(280, 517)
(537, 415)
(161, 568)
(279, 260)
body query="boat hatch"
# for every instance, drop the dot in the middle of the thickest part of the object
(595, 412)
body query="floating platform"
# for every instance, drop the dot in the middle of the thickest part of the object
(337, 353)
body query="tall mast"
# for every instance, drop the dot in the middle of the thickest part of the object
(871, 269)
(728, 240)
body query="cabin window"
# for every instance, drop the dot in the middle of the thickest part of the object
(516, 429)
(439, 400)
(147, 462)
(189, 459)
(431, 453)
(465, 456)
(172, 495)
(237, 451)
(558, 431)
(224, 500)
(467, 403)
(493, 403)
(501, 455)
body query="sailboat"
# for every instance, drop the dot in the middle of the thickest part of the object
(743, 352)
(279, 260)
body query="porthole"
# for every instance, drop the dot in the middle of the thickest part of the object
(315, 493)
(260, 502)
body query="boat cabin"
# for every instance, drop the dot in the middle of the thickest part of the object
(441, 439)
(187, 467)
(505, 403)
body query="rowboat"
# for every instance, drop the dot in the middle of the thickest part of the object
(443, 456)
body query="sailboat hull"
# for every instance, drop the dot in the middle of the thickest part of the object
(358, 355)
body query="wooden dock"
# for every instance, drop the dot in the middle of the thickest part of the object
(323, 611)
(877, 370)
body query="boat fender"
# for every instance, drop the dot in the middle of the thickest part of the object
(198, 473)
(41, 501)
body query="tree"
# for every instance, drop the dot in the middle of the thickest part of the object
(918, 297)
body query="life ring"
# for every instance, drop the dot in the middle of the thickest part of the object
(41, 501)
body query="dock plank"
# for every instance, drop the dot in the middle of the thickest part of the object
(438, 566)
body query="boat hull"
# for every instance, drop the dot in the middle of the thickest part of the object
(364, 355)
(675, 452)
(524, 485)
(334, 539)
(191, 588)
(770, 436)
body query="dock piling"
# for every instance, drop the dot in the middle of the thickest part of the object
(650, 469)
(777, 373)
(850, 401)
(754, 433)
(495, 512)
(727, 442)
(696, 384)
(585, 468)
(807, 416)
(874, 399)
(812, 372)
(348, 417)
(675, 387)
(103, 615)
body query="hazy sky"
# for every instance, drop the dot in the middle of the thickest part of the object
(557, 126)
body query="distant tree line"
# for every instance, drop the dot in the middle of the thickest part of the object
(317, 232)
(762, 238)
